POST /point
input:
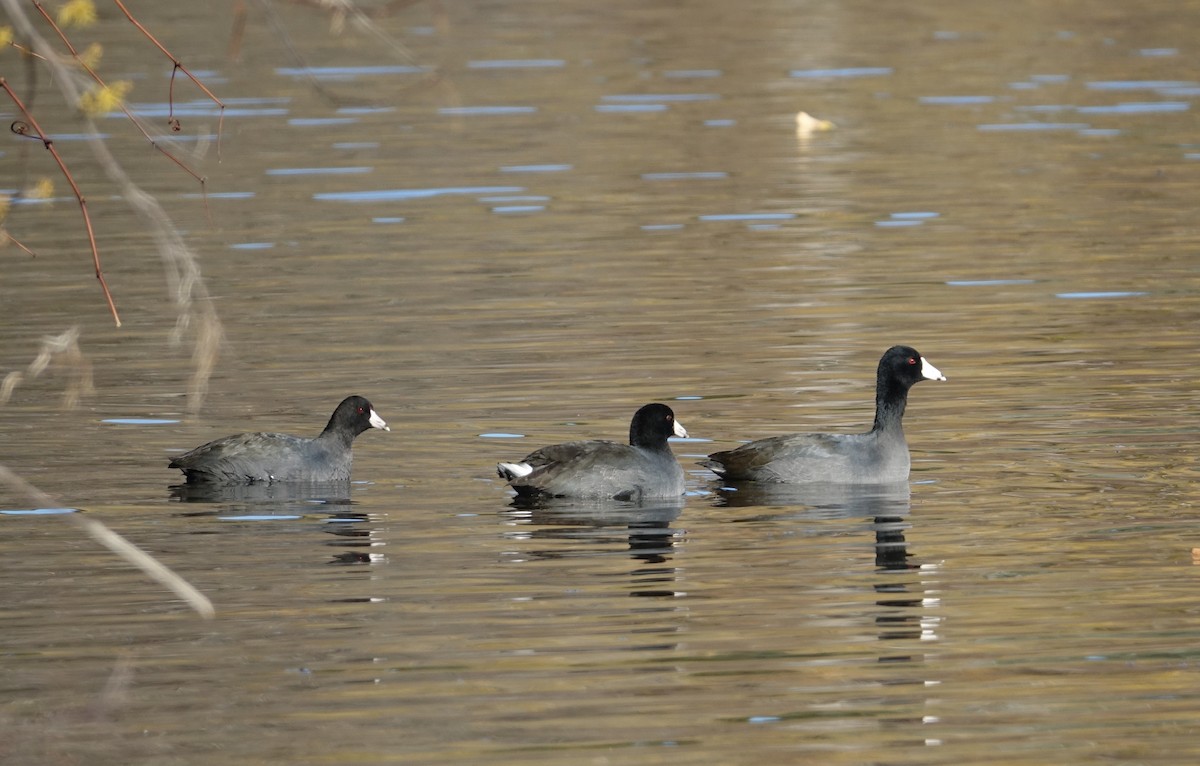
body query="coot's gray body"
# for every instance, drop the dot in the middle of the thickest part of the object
(879, 456)
(643, 469)
(270, 457)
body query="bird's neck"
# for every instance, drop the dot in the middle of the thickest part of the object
(890, 401)
(649, 445)
(333, 435)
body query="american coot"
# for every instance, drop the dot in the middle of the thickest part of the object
(645, 468)
(876, 457)
(263, 457)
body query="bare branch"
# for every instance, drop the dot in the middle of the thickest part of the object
(187, 286)
(179, 67)
(6, 237)
(137, 123)
(23, 129)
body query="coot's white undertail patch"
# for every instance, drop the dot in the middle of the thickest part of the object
(516, 470)
(643, 469)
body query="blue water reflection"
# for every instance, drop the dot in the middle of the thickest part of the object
(517, 64)
(545, 168)
(348, 72)
(318, 171)
(390, 195)
(870, 71)
(461, 111)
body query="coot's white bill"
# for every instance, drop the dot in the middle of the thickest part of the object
(378, 422)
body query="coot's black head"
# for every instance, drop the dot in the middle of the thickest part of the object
(903, 365)
(353, 416)
(652, 425)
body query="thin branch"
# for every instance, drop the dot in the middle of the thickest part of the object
(356, 14)
(282, 34)
(22, 129)
(430, 75)
(6, 237)
(188, 290)
(121, 104)
(179, 67)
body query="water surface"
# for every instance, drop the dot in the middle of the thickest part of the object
(586, 211)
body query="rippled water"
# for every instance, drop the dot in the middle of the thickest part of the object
(589, 209)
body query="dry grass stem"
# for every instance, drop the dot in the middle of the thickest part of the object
(187, 288)
(63, 347)
(118, 545)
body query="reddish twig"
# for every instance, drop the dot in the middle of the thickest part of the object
(6, 236)
(136, 123)
(23, 129)
(179, 67)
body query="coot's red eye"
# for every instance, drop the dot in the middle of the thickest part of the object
(360, 410)
(912, 360)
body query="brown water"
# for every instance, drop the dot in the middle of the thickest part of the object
(631, 217)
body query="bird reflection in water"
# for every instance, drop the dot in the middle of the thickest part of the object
(902, 598)
(592, 528)
(268, 502)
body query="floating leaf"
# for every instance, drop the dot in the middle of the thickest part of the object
(102, 100)
(806, 124)
(77, 13)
